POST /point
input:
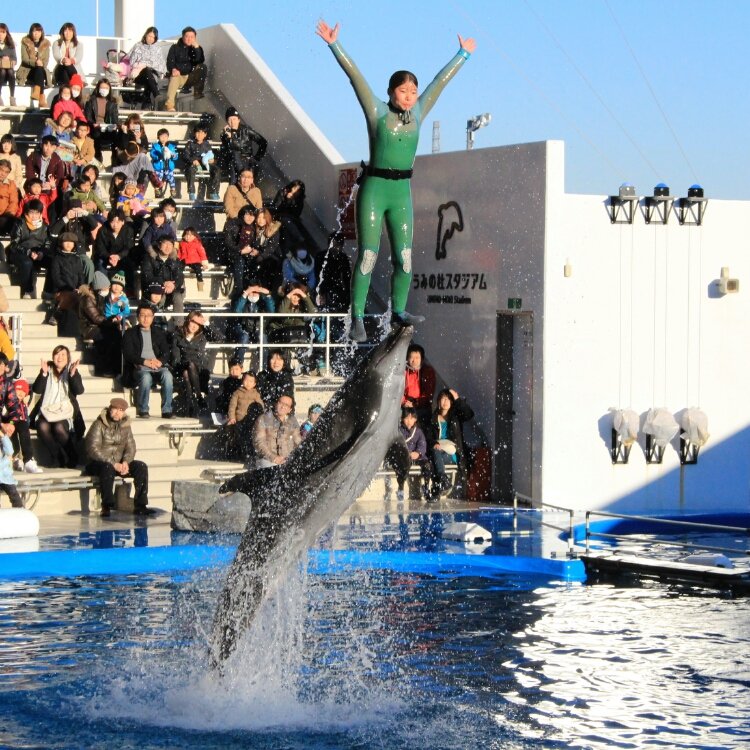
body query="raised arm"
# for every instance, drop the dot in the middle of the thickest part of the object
(430, 95)
(367, 100)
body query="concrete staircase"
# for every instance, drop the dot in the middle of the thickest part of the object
(38, 340)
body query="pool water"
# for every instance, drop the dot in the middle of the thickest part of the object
(373, 659)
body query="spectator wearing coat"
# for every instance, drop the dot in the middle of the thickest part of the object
(110, 452)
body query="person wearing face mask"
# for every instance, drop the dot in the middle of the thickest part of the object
(299, 267)
(385, 191)
(102, 113)
(28, 247)
(64, 102)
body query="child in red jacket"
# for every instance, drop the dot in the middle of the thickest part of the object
(193, 254)
(35, 189)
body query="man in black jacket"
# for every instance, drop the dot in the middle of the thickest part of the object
(237, 146)
(186, 66)
(146, 353)
(166, 270)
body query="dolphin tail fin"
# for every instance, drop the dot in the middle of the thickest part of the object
(398, 457)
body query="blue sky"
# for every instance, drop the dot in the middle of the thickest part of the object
(643, 92)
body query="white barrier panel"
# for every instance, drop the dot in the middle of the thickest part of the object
(18, 522)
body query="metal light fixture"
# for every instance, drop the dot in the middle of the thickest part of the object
(660, 427)
(626, 200)
(473, 124)
(694, 435)
(625, 423)
(659, 205)
(693, 206)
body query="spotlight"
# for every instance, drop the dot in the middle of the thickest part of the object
(659, 206)
(625, 200)
(694, 206)
(473, 124)
(694, 435)
(660, 427)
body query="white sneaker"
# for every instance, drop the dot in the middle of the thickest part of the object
(30, 467)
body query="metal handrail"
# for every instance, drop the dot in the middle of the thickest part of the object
(263, 344)
(667, 522)
(543, 505)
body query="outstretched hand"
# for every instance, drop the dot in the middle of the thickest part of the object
(468, 44)
(326, 33)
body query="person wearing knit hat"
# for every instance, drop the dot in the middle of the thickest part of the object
(110, 452)
(237, 150)
(118, 278)
(116, 304)
(101, 281)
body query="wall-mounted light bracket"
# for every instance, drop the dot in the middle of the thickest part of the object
(622, 205)
(688, 452)
(658, 208)
(619, 451)
(654, 450)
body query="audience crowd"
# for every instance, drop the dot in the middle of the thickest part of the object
(113, 259)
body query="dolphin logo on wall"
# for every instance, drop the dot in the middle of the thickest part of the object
(450, 221)
(324, 475)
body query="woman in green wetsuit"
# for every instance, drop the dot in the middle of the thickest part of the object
(385, 191)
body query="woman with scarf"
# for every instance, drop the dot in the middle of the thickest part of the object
(33, 69)
(445, 438)
(56, 415)
(385, 190)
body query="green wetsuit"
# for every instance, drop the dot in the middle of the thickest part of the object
(393, 145)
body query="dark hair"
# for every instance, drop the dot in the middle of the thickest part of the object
(251, 373)
(274, 353)
(94, 167)
(147, 32)
(244, 211)
(50, 139)
(165, 238)
(158, 211)
(116, 213)
(132, 118)
(31, 181)
(415, 348)
(190, 229)
(444, 392)
(399, 77)
(202, 126)
(8, 138)
(34, 205)
(144, 304)
(408, 411)
(105, 82)
(301, 193)
(168, 202)
(84, 123)
(235, 363)
(81, 179)
(8, 37)
(4, 359)
(71, 26)
(186, 29)
(161, 131)
(59, 348)
(5, 163)
(36, 27)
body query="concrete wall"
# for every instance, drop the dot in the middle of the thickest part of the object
(639, 324)
(499, 254)
(299, 147)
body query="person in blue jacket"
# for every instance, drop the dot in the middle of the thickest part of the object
(164, 158)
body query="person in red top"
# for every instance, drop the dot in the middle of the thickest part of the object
(65, 102)
(193, 254)
(419, 386)
(34, 188)
(8, 198)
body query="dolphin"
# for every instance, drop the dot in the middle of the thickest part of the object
(294, 502)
